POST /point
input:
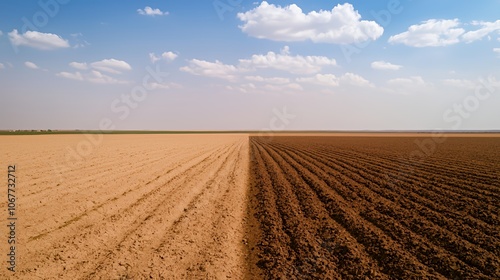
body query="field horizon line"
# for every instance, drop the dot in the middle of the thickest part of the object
(256, 132)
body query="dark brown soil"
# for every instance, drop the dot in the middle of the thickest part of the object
(364, 208)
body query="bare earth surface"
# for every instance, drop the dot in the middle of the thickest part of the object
(230, 206)
(360, 208)
(136, 207)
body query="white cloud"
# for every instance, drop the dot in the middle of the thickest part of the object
(155, 85)
(112, 65)
(167, 56)
(215, 69)
(341, 25)
(430, 33)
(31, 65)
(2, 66)
(486, 29)
(382, 65)
(284, 61)
(330, 80)
(355, 80)
(79, 65)
(283, 87)
(263, 88)
(1, 33)
(73, 76)
(170, 56)
(158, 86)
(93, 75)
(406, 82)
(148, 11)
(497, 51)
(272, 80)
(245, 88)
(37, 40)
(99, 78)
(435, 33)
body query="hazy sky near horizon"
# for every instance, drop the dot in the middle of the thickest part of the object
(246, 65)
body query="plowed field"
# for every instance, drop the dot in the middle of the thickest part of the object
(357, 208)
(230, 206)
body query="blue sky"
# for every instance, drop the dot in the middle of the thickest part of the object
(242, 65)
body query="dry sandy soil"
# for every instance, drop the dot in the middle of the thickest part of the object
(222, 206)
(137, 207)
